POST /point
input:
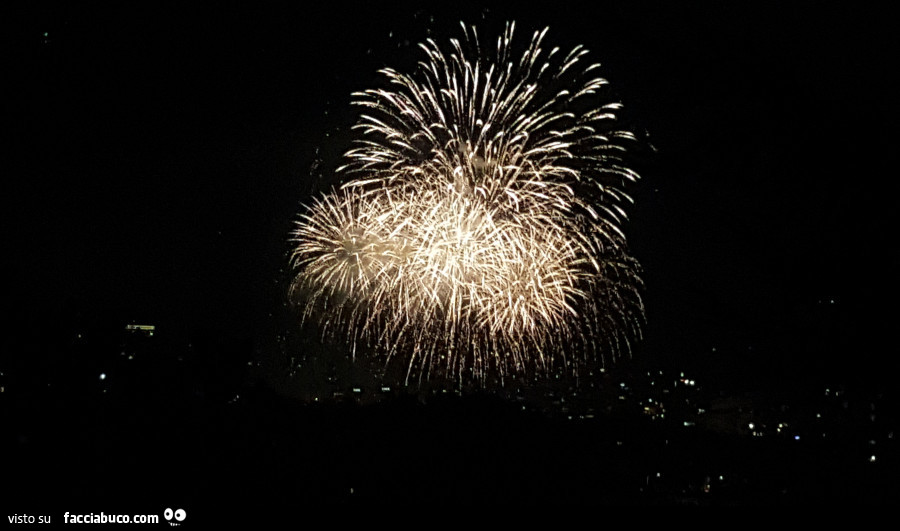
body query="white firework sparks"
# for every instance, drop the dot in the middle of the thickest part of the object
(478, 231)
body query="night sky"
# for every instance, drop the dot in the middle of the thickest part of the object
(159, 155)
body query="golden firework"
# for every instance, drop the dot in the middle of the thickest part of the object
(478, 231)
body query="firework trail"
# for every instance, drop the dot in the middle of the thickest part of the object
(478, 231)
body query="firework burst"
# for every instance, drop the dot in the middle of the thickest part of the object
(478, 230)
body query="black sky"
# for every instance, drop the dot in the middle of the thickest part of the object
(160, 154)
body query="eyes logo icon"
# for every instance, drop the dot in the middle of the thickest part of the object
(178, 515)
